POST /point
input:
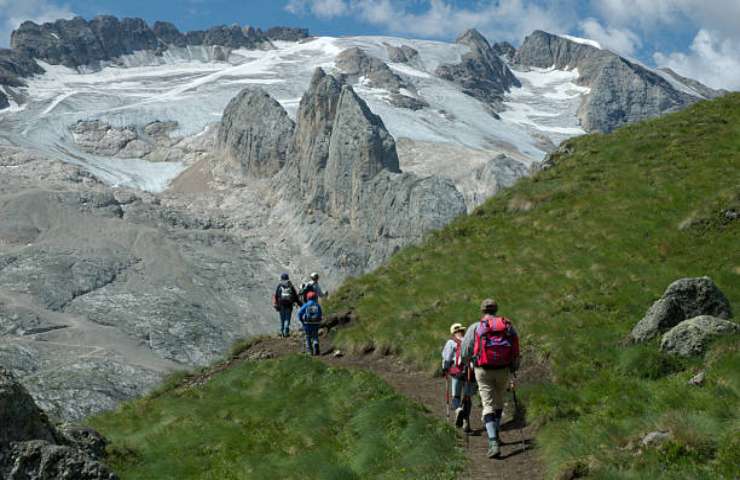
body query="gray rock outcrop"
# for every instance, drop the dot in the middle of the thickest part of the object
(683, 299)
(504, 50)
(255, 133)
(287, 34)
(481, 74)
(402, 54)
(621, 91)
(31, 448)
(356, 64)
(155, 141)
(692, 337)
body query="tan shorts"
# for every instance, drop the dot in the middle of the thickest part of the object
(492, 385)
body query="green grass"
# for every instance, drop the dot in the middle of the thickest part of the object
(289, 418)
(575, 255)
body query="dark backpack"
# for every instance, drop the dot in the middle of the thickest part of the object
(494, 343)
(286, 294)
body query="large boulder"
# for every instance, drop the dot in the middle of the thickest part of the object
(31, 448)
(255, 133)
(683, 299)
(481, 74)
(692, 337)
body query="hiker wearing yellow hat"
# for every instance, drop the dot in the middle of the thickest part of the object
(457, 372)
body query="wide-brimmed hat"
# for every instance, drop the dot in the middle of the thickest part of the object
(456, 327)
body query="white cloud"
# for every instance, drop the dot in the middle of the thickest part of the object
(712, 61)
(500, 20)
(325, 9)
(620, 40)
(15, 12)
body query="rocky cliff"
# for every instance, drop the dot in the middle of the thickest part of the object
(481, 74)
(31, 448)
(622, 91)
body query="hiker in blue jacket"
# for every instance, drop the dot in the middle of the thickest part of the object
(310, 316)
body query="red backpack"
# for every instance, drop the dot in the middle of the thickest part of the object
(494, 342)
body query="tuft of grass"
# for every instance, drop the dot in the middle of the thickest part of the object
(575, 255)
(290, 418)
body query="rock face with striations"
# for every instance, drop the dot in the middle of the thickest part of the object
(256, 142)
(683, 299)
(31, 448)
(482, 74)
(621, 91)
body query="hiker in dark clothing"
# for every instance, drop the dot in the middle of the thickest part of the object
(283, 299)
(310, 316)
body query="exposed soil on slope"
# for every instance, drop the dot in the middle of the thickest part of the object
(518, 455)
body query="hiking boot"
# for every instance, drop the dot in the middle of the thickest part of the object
(494, 450)
(459, 417)
(466, 426)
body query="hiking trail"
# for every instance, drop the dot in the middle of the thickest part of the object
(518, 452)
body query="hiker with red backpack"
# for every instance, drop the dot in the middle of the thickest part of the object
(283, 299)
(458, 374)
(492, 345)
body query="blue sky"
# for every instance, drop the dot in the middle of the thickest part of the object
(698, 38)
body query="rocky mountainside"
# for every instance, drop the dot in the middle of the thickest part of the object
(482, 74)
(621, 91)
(153, 183)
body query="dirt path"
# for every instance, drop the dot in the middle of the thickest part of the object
(518, 455)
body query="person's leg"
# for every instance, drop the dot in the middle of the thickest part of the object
(307, 332)
(486, 384)
(315, 340)
(455, 391)
(456, 405)
(285, 314)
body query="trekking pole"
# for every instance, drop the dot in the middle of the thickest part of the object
(447, 396)
(518, 413)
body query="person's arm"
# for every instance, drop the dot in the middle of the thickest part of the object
(295, 297)
(515, 350)
(302, 313)
(448, 355)
(468, 342)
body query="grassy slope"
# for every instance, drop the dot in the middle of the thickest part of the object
(575, 256)
(291, 418)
